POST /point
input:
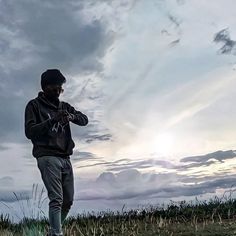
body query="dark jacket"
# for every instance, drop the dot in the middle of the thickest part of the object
(48, 137)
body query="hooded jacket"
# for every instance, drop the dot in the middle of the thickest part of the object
(49, 137)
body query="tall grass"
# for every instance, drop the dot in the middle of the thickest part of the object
(213, 217)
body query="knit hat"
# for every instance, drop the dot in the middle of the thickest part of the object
(52, 77)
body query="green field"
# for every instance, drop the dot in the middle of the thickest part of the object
(214, 217)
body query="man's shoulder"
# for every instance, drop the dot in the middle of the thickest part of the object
(32, 102)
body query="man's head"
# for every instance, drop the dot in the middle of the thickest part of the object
(51, 83)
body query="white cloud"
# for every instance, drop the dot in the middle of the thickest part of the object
(153, 87)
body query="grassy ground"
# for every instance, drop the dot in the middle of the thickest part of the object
(127, 227)
(214, 217)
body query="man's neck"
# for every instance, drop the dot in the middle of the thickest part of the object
(53, 101)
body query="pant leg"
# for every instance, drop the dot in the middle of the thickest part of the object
(68, 188)
(51, 172)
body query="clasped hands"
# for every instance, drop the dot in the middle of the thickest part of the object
(63, 116)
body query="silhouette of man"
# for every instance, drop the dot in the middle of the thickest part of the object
(47, 125)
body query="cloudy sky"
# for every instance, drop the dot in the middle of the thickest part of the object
(157, 81)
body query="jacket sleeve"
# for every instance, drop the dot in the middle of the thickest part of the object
(32, 129)
(80, 118)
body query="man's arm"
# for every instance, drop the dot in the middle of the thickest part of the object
(32, 129)
(77, 117)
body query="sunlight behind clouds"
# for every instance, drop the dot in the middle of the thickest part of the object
(163, 144)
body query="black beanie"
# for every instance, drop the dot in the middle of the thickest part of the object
(52, 77)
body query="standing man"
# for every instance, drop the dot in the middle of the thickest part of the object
(47, 124)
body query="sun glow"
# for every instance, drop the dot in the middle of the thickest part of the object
(163, 143)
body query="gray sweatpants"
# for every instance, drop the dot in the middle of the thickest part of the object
(57, 175)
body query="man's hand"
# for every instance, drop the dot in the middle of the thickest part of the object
(71, 116)
(62, 116)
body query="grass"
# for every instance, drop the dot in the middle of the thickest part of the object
(214, 217)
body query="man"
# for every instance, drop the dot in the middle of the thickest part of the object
(47, 125)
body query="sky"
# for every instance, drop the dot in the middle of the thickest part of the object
(156, 79)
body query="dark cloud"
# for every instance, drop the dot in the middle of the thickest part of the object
(94, 131)
(201, 179)
(120, 164)
(211, 186)
(188, 162)
(95, 164)
(194, 165)
(83, 156)
(141, 164)
(193, 190)
(174, 43)
(83, 88)
(11, 122)
(223, 37)
(56, 35)
(36, 35)
(203, 159)
(131, 183)
(174, 20)
(97, 137)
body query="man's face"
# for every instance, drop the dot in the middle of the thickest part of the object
(53, 91)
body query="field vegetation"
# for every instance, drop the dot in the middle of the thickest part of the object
(216, 216)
